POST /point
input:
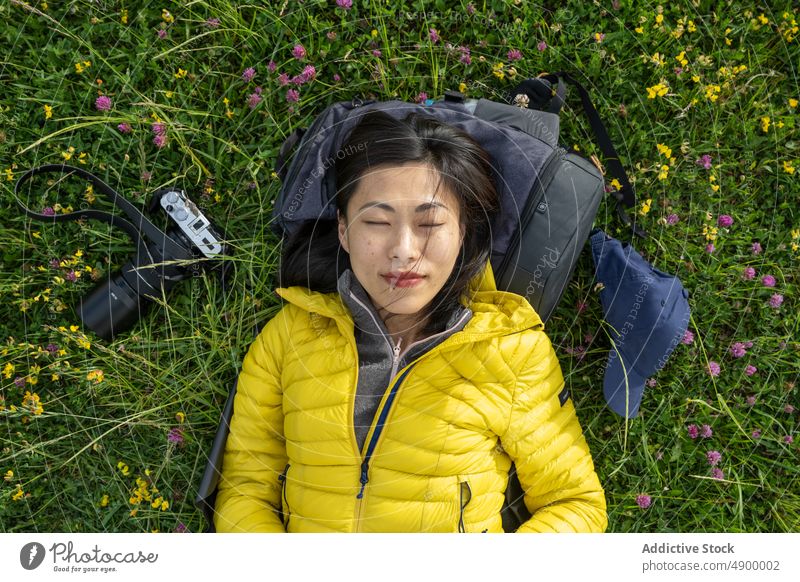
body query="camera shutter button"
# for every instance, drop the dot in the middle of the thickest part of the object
(172, 197)
(181, 215)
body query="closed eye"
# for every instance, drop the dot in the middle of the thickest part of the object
(370, 222)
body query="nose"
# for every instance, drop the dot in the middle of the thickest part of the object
(404, 247)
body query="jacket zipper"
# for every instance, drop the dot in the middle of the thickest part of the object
(378, 430)
(384, 411)
(282, 481)
(542, 180)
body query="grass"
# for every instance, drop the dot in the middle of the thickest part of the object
(91, 452)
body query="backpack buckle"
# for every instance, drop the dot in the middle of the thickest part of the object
(454, 96)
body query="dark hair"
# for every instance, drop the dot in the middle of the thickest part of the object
(464, 168)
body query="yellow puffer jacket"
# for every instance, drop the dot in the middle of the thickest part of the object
(437, 456)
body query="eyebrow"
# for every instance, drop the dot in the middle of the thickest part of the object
(388, 208)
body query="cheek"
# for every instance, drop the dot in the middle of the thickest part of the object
(367, 245)
(444, 245)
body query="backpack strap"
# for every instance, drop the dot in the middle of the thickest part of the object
(541, 95)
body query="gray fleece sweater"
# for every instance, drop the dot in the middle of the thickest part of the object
(378, 357)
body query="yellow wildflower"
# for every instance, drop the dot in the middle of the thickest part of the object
(658, 59)
(9, 175)
(166, 16)
(710, 232)
(164, 505)
(681, 58)
(32, 402)
(180, 74)
(788, 167)
(89, 194)
(373, 33)
(792, 103)
(763, 19)
(646, 207)
(73, 328)
(795, 234)
(497, 70)
(180, 417)
(123, 18)
(712, 92)
(104, 501)
(615, 184)
(462, 88)
(82, 158)
(765, 124)
(95, 375)
(658, 90)
(8, 370)
(124, 469)
(639, 30)
(663, 174)
(19, 494)
(68, 154)
(667, 152)
(48, 111)
(659, 19)
(691, 27)
(9, 475)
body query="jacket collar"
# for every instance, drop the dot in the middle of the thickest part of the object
(363, 310)
(494, 312)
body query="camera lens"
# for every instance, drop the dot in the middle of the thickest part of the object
(111, 308)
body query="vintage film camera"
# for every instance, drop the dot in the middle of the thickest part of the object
(192, 243)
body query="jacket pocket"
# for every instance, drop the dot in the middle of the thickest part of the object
(464, 497)
(285, 511)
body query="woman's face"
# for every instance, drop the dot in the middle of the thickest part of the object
(397, 225)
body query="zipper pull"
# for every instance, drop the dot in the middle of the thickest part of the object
(397, 350)
(364, 479)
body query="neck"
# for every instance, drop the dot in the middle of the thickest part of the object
(403, 328)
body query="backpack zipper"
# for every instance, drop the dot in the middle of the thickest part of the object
(542, 181)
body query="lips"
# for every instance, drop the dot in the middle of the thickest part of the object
(405, 279)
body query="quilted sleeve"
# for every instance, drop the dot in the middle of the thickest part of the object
(546, 443)
(249, 493)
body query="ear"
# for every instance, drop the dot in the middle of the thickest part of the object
(343, 232)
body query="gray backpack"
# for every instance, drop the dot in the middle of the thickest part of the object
(549, 198)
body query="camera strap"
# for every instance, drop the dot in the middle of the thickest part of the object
(171, 247)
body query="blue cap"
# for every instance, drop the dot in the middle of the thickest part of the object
(648, 311)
